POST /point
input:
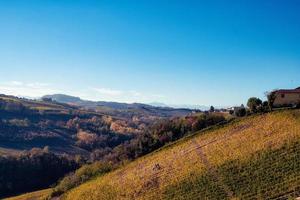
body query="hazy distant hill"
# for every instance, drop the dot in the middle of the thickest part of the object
(193, 107)
(121, 109)
(63, 98)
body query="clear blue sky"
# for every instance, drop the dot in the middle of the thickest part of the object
(176, 52)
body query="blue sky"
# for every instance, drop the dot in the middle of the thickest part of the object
(175, 52)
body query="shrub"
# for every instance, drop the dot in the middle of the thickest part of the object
(81, 175)
(265, 106)
(32, 170)
(241, 112)
(271, 98)
(254, 104)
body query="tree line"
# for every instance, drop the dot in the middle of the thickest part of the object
(32, 170)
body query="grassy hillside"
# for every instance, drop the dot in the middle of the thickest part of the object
(253, 158)
(43, 140)
(38, 195)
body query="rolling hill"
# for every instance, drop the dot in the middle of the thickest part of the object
(67, 123)
(121, 109)
(253, 158)
(26, 124)
(43, 140)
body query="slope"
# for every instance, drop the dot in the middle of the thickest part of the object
(253, 158)
(38, 195)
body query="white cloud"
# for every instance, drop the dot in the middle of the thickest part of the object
(16, 83)
(38, 89)
(34, 89)
(135, 93)
(128, 96)
(108, 91)
(159, 96)
(37, 85)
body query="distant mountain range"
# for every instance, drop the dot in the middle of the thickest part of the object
(62, 98)
(188, 106)
(193, 107)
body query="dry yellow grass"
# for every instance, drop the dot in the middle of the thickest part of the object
(150, 176)
(38, 195)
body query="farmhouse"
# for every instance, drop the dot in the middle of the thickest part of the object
(287, 97)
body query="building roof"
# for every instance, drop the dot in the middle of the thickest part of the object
(297, 90)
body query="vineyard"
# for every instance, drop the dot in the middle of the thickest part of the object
(42, 194)
(257, 157)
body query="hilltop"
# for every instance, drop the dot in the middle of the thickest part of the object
(253, 158)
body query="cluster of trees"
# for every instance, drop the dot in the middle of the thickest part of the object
(32, 170)
(95, 133)
(12, 106)
(81, 175)
(18, 123)
(256, 105)
(156, 136)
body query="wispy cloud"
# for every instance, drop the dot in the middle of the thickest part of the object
(159, 96)
(38, 89)
(135, 93)
(15, 83)
(108, 91)
(25, 89)
(128, 96)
